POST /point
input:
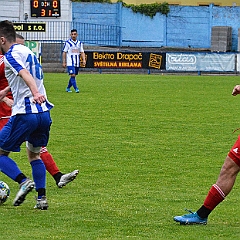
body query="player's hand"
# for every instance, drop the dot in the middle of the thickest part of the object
(39, 98)
(8, 101)
(4, 92)
(64, 65)
(236, 90)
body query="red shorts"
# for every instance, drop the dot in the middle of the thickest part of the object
(234, 153)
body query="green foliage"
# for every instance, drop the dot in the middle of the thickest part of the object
(149, 9)
(99, 1)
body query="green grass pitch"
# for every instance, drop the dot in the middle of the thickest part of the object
(147, 147)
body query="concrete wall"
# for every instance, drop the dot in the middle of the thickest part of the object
(189, 2)
(188, 27)
(139, 30)
(184, 26)
(227, 16)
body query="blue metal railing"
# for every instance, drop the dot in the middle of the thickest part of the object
(92, 34)
(97, 34)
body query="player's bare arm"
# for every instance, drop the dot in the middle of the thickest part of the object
(27, 77)
(83, 58)
(64, 56)
(236, 90)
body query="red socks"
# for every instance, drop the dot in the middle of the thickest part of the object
(214, 197)
(48, 161)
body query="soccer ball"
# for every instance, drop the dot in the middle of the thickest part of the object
(4, 192)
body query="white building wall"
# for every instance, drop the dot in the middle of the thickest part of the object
(10, 10)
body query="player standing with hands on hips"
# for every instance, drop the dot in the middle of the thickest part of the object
(221, 188)
(72, 52)
(30, 120)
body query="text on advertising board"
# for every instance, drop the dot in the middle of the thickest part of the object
(30, 27)
(134, 60)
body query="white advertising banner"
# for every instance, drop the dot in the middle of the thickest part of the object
(224, 62)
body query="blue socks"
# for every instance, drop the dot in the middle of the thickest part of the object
(10, 168)
(72, 82)
(39, 174)
(69, 83)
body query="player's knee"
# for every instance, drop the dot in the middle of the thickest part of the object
(33, 152)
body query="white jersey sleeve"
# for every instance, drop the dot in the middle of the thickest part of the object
(17, 58)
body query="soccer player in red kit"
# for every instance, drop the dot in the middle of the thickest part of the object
(5, 112)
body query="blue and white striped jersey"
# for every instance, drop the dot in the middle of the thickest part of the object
(73, 50)
(17, 58)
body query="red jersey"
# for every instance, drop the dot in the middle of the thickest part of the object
(5, 110)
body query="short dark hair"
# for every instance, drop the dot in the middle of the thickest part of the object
(7, 30)
(74, 30)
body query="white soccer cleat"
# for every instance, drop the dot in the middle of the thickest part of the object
(42, 203)
(25, 187)
(67, 178)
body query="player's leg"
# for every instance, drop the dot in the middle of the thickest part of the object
(74, 82)
(69, 86)
(218, 191)
(11, 137)
(10, 168)
(51, 166)
(70, 72)
(39, 175)
(221, 189)
(49, 162)
(35, 140)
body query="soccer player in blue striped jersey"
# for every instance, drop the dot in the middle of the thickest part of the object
(30, 120)
(72, 52)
